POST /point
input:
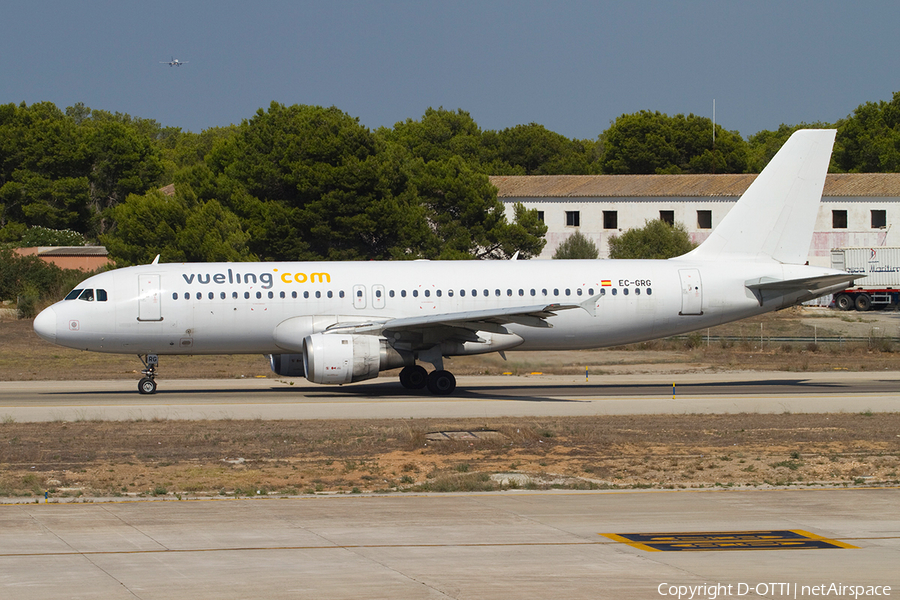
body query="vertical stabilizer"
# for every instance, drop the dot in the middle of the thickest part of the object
(775, 217)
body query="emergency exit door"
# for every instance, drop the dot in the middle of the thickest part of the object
(691, 292)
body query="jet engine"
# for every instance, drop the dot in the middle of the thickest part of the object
(338, 358)
(288, 365)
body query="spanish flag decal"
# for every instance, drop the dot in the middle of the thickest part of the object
(605, 282)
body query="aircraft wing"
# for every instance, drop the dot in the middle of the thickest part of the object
(491, 319)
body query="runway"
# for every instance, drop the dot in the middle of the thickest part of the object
(491, 546)
(731, 392)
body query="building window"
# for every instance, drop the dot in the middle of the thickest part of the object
(839, 219)
(540, 216)
(610, 219)
(573, 218)
(667, 216)
(704, 219)
(879, 219)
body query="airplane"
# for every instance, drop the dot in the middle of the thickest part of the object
(343, 322)
(174, 62)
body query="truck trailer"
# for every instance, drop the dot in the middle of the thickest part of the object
(879, 282)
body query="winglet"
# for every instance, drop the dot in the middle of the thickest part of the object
(155, 260)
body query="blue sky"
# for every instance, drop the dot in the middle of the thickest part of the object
(570, 66)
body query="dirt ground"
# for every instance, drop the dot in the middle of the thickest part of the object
(93, 459)
(203, 458)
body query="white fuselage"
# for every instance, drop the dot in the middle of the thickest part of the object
(234, 308)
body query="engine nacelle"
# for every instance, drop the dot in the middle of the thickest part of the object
(288, 365)
(338, 358)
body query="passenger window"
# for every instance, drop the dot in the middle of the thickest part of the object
(578, 291)
(246, 295)
(497, 293)
(294, 295)
(625, 291)
(306, 294)
(281, 295)
(438, 293)
(341, 293)
(101, 295)
(509, 292)
(73, 294)
(87, 295)
(427, 293)
(271, 295)
(614, 291)
(486, 293)
(415, 293)
(637, 291)
(649, 291)
(222, 295)
(533, 292)
(174, 295)
(450, 293)
(330, 294)
(403, 293)
(258, 295)
(212, 295)
(602, 291)
(199, 296)
(544, 292)
(590, 291)
(378, 293)
(568, 292)
(462, 293)
(187, 295)
(390, 293)
(318, 294)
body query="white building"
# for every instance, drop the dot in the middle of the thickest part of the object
(857, 209)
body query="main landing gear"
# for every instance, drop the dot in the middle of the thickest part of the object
(147, 384)
(439, 382)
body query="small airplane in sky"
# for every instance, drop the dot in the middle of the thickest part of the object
(173, 63)
(341, 322)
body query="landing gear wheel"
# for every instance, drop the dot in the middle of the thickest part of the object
(863, 302)
(413, 377)
(843, 302)
(147, 386)
(441, 383)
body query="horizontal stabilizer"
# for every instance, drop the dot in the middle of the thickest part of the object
(810, 284)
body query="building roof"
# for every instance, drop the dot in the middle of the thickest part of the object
(642, 186)
(72, 251)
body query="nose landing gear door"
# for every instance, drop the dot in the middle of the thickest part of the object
(149, 299)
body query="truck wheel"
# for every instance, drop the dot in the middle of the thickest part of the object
(863, 302)
(843, 302)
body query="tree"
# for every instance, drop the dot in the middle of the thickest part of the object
(577, 245)
(439, 135)
(535, 150)
(154, 224)
(652, 142)
(657, 239)
(868, 141)
(42, 236)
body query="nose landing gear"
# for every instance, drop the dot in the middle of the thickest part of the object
(147, 385)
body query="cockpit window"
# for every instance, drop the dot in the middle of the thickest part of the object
(74, 294)
(101, 295)
(87, 295)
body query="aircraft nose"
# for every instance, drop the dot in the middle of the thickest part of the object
(45, 325)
